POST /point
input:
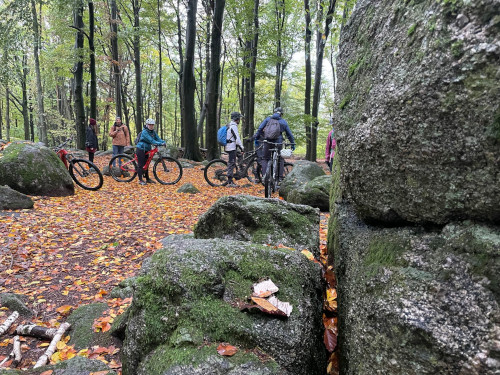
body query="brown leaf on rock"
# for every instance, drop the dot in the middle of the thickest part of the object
(330, 340)
(227, 350)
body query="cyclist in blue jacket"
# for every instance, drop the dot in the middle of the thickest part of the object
(278, 113)
(147, 139)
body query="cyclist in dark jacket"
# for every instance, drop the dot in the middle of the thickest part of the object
(147, 139)
(91, 139)
(278, 112)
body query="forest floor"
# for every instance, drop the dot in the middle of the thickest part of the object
(72, 251)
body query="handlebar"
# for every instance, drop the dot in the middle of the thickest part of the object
(64, 143)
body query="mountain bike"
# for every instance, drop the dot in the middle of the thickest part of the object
(166, 170)
(85, 173)
(272, 176)
(247, 166)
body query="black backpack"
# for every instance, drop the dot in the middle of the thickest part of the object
(138, 138)
(272, 130)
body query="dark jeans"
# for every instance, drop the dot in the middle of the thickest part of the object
(118, 150)
(141, 159)
(267, 157)
(91, 156)
(231, 163)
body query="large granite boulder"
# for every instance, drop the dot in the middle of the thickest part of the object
(316, 193)
(186, 302)
(13, 200)
(418, 124)
(35, 170)
(415, 301)
(75, 366)
(260, 220)
(303, 171)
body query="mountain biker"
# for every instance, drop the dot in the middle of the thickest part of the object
(147, 139)
(330, 147)
(233, 141)
(278, 113)
(121, 137)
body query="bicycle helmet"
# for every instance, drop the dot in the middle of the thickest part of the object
(150, 121)
(236, 115)
(279, 110)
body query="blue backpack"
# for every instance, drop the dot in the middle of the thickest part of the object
(222, 135)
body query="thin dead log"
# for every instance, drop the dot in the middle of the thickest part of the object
(36, 331)
(11, 319)
(52, 347)
(15, 353)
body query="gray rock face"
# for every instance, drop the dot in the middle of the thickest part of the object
(316, 193)
(417, 302)
(186, 302)
(13, 200)
(419, 121)
(188, 188)
(15, 302)
(260, 220)
(34, 170)
(303, 171)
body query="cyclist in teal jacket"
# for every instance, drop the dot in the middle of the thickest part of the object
(147, 139)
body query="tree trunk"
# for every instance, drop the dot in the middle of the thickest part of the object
(280, 20)
(320, 50)
(160, 76)
(136, 4)
(115, 58)
(24, 80)
(192, 150)
(7, 113)
(213, 80)
(78, 74)
(93, 75)
(307, 94)
(181, 70)
(42, 126)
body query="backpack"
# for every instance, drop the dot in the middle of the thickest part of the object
(272, 130)
(138, 138)
(222, 135)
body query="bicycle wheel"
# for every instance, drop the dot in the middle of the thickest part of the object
(216, 173)
(269, 181)
(86, 174)
(167, 170)
(125, 170)
(254, 171)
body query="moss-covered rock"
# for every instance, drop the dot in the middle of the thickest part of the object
(35, 170)
(188, 188)
(315, 193)
(15, 302)
(415, 301)
(259, 220)
(82, 333)
(417, 125)
(303, 171)
(186, 301)
(13, 200)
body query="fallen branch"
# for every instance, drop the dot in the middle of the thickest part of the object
(52, 347)
(11, 319)
(36, 331)
(15, 353)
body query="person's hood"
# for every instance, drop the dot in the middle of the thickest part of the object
(276, 116)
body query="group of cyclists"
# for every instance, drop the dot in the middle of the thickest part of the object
(148, 138)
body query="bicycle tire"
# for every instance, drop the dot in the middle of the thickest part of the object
(86, 174)
(128, 169)
(169, 172)
(215, 173)
(268, 181)
(254, 171)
